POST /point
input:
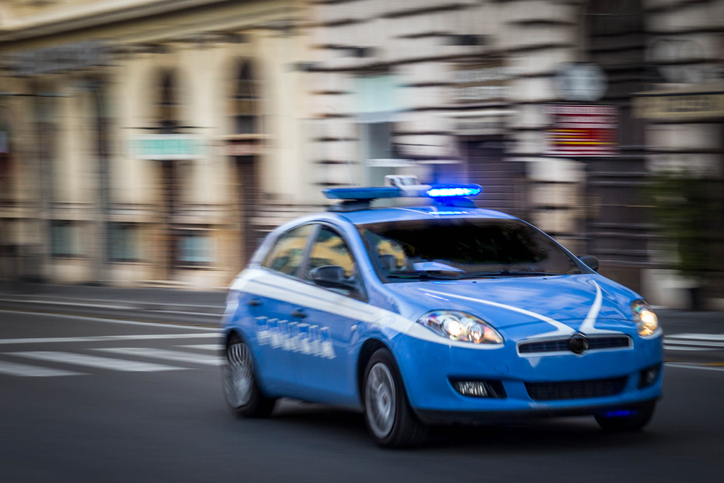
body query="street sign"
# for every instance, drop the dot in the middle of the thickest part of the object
(700, 102)
(583, 130)
(580, 82)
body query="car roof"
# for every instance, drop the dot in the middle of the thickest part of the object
(379, 215)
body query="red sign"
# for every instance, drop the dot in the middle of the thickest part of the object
(583, 130)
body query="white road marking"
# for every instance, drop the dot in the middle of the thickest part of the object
(695, 343)
(94, 361)
(83, 304)
(701, 368)
(712, 337)
(109, 338)
(677, 348)
(179, 312)
(110, 303)
(205, 347)
(164, 354)
(109, 321)
(22, 370)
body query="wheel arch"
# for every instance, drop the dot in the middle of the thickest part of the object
(369, 347)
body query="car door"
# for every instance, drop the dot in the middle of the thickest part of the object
(326, 325)
(272, 302)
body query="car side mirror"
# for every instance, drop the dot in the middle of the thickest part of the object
(590, 261)
(330, 276)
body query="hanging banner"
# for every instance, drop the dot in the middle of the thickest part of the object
(580, 130)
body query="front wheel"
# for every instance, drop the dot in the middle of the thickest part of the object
(627, 420)
(242, 392)
(388, 415)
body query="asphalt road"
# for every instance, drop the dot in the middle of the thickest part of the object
(95, 399)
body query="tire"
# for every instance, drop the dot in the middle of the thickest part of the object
(242, 392)
(390, 420)
(633, 422)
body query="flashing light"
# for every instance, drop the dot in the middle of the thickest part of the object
(621, 413)
(405, 191)
(453, 191)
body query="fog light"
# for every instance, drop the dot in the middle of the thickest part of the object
(472, 388)
(492, 389)
(649, 376)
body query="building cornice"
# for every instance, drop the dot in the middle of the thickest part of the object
(96, 15)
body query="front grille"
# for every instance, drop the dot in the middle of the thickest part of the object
(553, 391)
(561, 345)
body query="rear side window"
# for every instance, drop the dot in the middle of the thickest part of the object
(330, 249)
(288, 252)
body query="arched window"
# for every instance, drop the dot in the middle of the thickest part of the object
(167, 105)
(245, 101)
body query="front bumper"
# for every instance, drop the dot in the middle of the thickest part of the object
(429, 367)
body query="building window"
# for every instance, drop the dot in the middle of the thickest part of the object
(194, 249)
(66, 239)
(167, 105)
(245, 99)
(122, 242)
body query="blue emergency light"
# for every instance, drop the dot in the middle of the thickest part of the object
(414, 191)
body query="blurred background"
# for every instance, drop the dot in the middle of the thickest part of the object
(153, 143)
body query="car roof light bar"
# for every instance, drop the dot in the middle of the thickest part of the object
(436, 191)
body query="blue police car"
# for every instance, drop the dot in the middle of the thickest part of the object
(443, 313)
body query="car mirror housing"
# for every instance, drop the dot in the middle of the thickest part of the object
(590, 261)
(330, 276)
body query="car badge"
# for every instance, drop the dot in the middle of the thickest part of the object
(578, 344)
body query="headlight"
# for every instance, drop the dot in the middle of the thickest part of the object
(460, 326)
(646, 321)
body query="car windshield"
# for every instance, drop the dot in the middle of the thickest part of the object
(462, 248)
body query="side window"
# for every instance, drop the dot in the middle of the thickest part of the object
(330, 249)
(288, 252)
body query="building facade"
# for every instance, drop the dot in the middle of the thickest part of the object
(532, 99)
(145, 142)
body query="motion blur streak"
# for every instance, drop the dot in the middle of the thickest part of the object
(148, 146)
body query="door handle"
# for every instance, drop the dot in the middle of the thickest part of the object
(255, 302)
(299, 313)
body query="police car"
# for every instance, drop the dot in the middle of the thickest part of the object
(443, 313)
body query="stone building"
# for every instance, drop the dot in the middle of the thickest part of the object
(145, 141)
(483, 91)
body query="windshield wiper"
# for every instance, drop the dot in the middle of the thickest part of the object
(510, 273)
(425, 274)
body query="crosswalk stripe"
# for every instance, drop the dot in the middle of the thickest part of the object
(693, 366)
(22, 370)
(95, 361)
(681, 348)
(694, 343)
(168, 355)
(205, 347)
(709, 337)
(109, 338)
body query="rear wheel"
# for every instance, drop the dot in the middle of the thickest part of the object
(388, 415)
(242, 392)
(627, 420)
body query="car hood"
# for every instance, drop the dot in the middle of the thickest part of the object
(504, 302)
